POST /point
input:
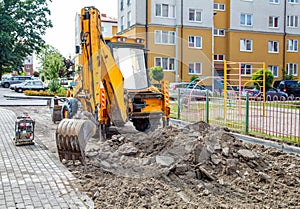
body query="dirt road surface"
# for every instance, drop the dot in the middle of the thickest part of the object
(197, 166)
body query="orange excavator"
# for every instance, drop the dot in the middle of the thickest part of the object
(113, 87)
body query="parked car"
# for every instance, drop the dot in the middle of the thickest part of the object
(14, 80)
(291, 87)
(271, 95)
(30, 85)
(174, 88)
(192, 89)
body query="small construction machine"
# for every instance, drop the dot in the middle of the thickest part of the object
(113, 85)
(24, 130)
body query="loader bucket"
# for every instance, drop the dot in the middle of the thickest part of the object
(72, 136)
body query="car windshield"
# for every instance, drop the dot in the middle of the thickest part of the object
(131, 62)
(292, 84)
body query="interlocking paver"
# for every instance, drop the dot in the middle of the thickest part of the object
(32, 176)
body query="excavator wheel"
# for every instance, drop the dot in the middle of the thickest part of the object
(69, 108)
(72, 136)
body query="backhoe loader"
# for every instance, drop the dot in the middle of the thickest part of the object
(113, 86)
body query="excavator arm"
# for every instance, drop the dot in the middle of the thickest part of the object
(98, 67)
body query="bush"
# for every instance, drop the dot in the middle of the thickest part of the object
(62, 92)
(54, 85)
(157, 73)
(38, 93)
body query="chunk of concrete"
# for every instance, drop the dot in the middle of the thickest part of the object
(164, 161)
(247, 154)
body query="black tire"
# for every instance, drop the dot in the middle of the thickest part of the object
(20, 90)
(6, 85)
(146, 125)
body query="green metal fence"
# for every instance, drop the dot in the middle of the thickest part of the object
(271, 119)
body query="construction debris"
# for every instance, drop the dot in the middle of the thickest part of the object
(191, 167)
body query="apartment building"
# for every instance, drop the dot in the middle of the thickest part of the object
(192, 37)
(28, 65)
(109, 25)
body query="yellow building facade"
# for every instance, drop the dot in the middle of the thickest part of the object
(193, 38)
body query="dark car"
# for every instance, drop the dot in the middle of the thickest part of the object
(291, 87)
(14, 80)
(271, 95)
(190, 89)
(30, 85)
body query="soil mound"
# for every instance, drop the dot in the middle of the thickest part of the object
(195, 166)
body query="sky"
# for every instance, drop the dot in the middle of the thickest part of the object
(62, 35)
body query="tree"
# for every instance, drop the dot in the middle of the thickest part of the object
(52, 62)
(286, 76)
(193, 77)
(258, 77)
(22, 25)
(157, 73)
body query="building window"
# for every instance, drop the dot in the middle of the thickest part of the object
(246, 20)
(245, 45)
(195, 15)
(273, 46)
(292, 46)
(164, 37)
(219, 32)
(246, 69)
(164, 62)
(27, 67)
(273, 22)
(292, 21)
(122, 23)
(195, 42)
(128, 19)
(292, 69)
(219, 57)
(195, 68)
(164, 10)
(293, 1)
(218, 6)
(128, 2)
(274, 70)
(274, 1)
(122, 5)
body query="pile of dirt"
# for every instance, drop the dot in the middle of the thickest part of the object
(195, 166)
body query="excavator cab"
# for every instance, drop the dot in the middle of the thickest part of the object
(129, 54)
(146, 104)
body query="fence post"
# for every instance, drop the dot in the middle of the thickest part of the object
(247, 114)
(207, 107)
(178, 104)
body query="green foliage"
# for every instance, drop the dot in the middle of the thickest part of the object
(62, 92)
(54, 86)
(52, 62)
(157, 73)
(22, 26)
(258, 77)
(193, 77)
(285, 76)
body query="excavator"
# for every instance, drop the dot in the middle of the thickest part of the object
(112, 88)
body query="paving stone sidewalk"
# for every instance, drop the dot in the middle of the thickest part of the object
(33, 177)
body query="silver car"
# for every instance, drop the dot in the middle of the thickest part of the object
(30, 85)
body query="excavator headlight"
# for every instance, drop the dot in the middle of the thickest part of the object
(122, 39)
(139, 40)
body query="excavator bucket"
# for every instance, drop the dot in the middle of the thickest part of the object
(72, 136)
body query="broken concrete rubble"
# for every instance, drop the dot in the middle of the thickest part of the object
(231, 172)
